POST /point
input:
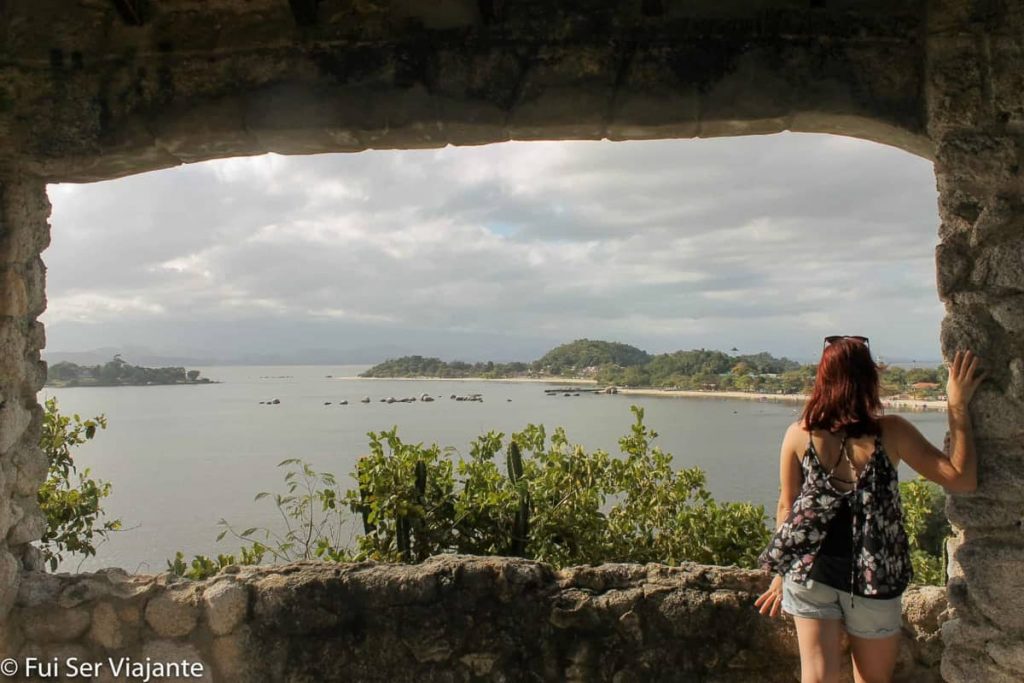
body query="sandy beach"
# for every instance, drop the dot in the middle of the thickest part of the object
(552, 380)
(902, 404)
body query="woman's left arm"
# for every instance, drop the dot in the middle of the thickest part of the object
(790, 480)
(791, 476)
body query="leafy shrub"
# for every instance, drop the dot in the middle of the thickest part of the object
(554, 502)
(924, 518)
(202, 567)
(313, 525)
(70, 500)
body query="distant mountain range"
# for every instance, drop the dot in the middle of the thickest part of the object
(367, 355)
(148, 357)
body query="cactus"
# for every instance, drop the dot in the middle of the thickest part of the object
(402, 537)
(521, 523)
(418, 520)
(514, 462)
(364, 494)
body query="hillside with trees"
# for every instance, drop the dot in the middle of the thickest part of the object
(117, 372)
(614, 363)
(583, 356)
(619, 364)
(419, 366)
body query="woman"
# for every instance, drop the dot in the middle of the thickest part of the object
(840, 552)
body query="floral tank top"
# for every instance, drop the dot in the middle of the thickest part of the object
(881, 551)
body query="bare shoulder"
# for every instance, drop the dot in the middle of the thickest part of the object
(796, 432)
(895, 426)
(894, 431)
(796, 439)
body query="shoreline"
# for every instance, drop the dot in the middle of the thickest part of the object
(896, 404)
(480, 379)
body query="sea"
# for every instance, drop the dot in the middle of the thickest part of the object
(181, 458)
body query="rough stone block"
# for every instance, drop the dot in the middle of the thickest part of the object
(979, 161)
(36, 339)
(1000, 267)
(994, 580)
(14, 420)
(35, 286)
(30, 521)
(960, 665)
(13, 346)
(172, 614)
(1007, 80)
(227, 604)
(1001, 217)
(1008, 654)
(1009, 313)
(32, 559)
(38, 588)
(14, 294)
(976, 511)
(230, 656)
(24, 210)
(971, 327)
(32, 468)
(955, 81)
(10, 581)
(1001, 470)
(45, 624)
(952, 266)
(107, 630)
(996, 414)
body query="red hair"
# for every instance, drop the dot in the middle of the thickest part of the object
(845, 394)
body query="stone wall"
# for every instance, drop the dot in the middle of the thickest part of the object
(97, 96)
(24, 233)
(453, 618)
(94, 89)
(976, 118)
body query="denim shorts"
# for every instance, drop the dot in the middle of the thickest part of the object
(865, 618)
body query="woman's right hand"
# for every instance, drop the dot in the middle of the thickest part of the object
(770, 602)
(964, 379)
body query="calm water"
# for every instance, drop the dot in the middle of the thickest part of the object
(182, 457)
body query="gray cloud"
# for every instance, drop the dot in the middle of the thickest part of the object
(764, 243)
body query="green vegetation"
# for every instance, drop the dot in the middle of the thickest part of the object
(551, 501)
(713, 370)
(924, 517)
(530, 496)
(919, 383)
(584, 356)
(622, 365)
(418, 366)
(70, 500)
(117, 372)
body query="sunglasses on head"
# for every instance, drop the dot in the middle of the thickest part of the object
(836, 337)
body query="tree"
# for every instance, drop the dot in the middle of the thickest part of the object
(70, 500)
(192, 375)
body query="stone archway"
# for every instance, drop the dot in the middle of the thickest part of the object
(104, 89)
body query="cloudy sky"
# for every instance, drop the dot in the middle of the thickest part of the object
(500, 252)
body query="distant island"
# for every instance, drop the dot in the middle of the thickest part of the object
(119, 373)
(622, 365)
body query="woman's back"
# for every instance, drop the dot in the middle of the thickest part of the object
(860, 450)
